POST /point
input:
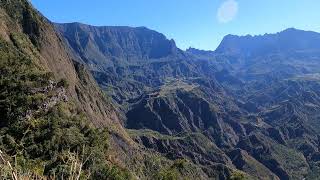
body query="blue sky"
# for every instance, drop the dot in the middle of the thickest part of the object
(191, 23)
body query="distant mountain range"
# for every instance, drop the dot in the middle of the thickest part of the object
(285, 41)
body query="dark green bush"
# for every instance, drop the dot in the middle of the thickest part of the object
(63, 83)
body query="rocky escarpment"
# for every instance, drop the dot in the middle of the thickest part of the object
(103, 47)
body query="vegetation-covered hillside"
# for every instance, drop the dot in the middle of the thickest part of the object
(55, 121)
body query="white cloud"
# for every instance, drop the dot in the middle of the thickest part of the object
(227, 11)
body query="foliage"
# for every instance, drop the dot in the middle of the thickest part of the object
(54, 142)
(63, 83)
(104, 171)
(23, 13)
(168, 174)
(180, 164)
(238, 175)
(174, 171)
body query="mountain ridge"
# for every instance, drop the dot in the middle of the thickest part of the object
(287, 40)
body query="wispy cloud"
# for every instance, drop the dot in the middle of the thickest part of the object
(227, 11)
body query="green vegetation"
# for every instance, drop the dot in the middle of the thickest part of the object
(173, 172)
(238, 175)
(168, 174)
(42, 140)
(23, 13)
(291, 160)
(151, 133)
(63, 83)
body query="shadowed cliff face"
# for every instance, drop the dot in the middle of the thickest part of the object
(251, 105)
(105, 46)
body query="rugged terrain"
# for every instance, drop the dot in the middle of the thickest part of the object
(251, 105)
(55, 120)
(80, 101)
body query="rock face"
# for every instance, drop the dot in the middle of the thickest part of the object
(103, 47)
(251, 105)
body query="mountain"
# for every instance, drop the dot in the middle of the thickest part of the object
(103, 47)
(126, 60)
(251, 105)
(55, 120)
(280, 85)
(285, 41)
(200, 54)
(135, 106)
(50, 96)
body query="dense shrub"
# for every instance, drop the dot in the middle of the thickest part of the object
(237, 175)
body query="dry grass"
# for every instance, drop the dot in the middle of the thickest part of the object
(9, 171)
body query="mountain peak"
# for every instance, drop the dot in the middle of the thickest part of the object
(292, 29)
